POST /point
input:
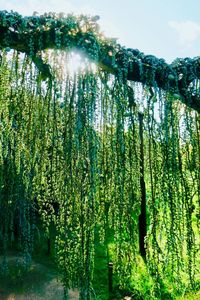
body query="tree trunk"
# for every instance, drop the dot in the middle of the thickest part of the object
(142, 216)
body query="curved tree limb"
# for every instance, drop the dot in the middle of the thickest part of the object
(31, 35)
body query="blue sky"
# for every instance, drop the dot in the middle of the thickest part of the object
(165, 28)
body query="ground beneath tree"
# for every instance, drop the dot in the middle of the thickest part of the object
(39, 283)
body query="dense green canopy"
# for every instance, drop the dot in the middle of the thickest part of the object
(105, 156)
(33, 34)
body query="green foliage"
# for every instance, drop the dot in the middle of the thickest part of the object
(70, 156)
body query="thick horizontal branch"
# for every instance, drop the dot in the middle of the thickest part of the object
(34, 34)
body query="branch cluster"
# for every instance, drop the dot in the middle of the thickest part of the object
(33, 34)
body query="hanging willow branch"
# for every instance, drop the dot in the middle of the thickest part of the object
(75, 157)
(33, 34)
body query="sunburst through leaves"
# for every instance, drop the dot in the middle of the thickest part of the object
(91, 154)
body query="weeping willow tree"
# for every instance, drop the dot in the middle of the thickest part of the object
(111, 150)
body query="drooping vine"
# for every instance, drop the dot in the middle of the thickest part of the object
(81, 152)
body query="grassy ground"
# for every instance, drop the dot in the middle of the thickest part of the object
(40, 282)
(194, 296)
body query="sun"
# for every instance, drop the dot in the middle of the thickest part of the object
(77, 62)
